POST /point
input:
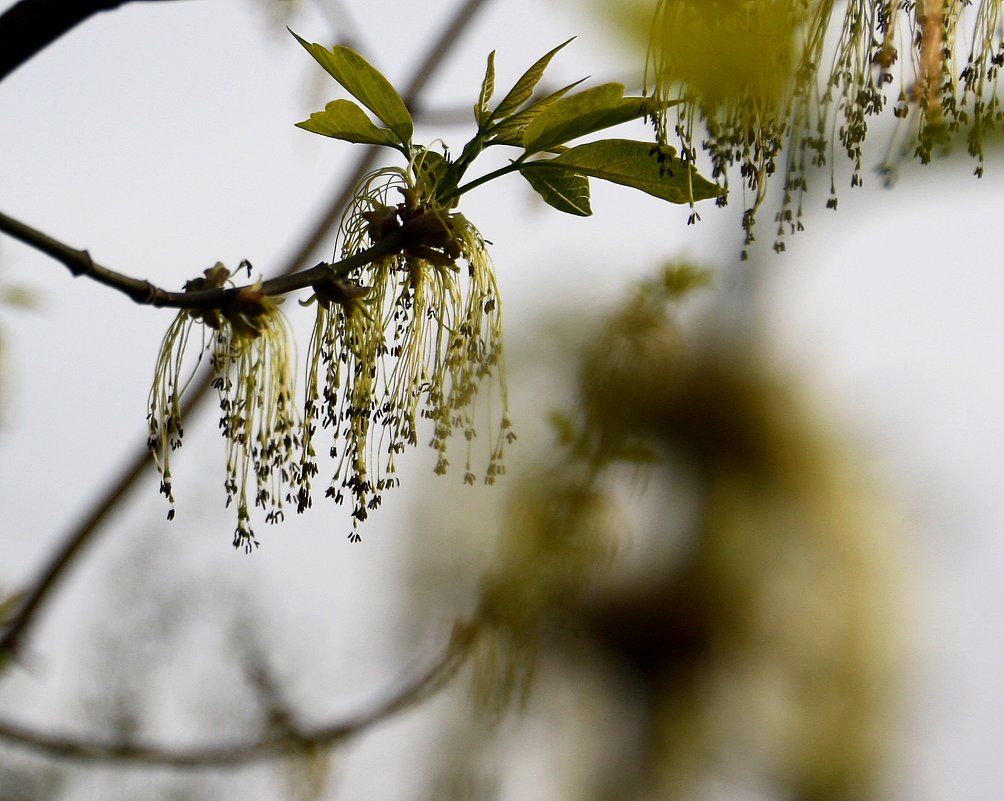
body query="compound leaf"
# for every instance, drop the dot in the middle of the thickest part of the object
(567, 191)
(343, 119)
(365, 83)
(510, 131)
(639, 165)
(524, 87)
(586, 112)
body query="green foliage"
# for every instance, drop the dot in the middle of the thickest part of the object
(522, 90)
(585, 112)
(638, 165)
(544, 125)
(763, 572)
(343, 119)
(510, 130)
(481, 112)
(565, 190)
(367, 85)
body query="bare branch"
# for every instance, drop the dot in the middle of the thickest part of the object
(80, 263)
(29, 26)
(295, 740)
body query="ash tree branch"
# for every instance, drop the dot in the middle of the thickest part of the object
(80, 263)
(292, 741)
(30, 26)
(75, 543)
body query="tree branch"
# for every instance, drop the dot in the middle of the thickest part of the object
(30, 26)
(74, 543)
(80, 263)
(289, 742)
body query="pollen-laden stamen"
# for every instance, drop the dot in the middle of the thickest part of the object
(773, 89)
(253, 373)
(417, 343)
(164, 420)
(259, 417)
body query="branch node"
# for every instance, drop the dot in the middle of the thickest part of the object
(154, 296)
(82, 265)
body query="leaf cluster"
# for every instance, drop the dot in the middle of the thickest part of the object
(541, 126)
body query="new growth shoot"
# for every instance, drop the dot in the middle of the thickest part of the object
(411, 337)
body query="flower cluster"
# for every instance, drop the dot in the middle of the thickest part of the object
(412, 335)
(777, 96)
(253, 373)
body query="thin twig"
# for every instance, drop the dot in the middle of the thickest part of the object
(80, 263)
(297, 739)
(75, 541)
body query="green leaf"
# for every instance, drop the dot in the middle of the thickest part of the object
(524, 87)
(547, 127)
(365, 83)
(586, 112)
(510, 131)
(343, 119)
(639, 165)
(430, 167)
(567, 191)
(481, 113)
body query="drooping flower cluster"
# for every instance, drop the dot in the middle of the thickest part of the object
(253, 372)
(777, 95)
(410, 336)
(567, 519)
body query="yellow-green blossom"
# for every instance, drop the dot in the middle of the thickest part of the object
(777, 94)
(259, 420)
(253, 369)
(164, 419)
(412, 335)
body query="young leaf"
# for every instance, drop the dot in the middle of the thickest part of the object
(481, 113)
(510, 131)
(631, 163)
(366, 84)
(567, 191)
(584, 113)
(524, 87)
(430, 166)
(343, 119)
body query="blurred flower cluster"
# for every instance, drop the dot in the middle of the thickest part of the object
(692, 591)
(770, 90)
